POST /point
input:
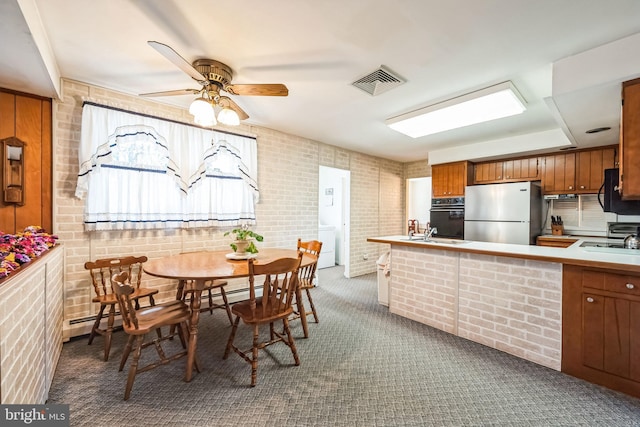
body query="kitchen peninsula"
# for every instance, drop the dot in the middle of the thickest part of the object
(559, 307)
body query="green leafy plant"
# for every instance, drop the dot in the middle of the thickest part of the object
(244, 234)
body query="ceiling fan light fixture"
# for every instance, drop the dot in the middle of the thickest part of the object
(228, 117)
(203, 112)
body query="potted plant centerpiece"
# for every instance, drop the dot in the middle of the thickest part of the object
(244, 240)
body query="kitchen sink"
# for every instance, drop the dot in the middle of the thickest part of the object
(420, 238)
(447, 241)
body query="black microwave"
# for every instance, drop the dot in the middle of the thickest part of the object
(612, 201)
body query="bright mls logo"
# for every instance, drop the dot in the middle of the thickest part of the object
(35, 415)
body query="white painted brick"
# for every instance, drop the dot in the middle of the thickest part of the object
(288, 168)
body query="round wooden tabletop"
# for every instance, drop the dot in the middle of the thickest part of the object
(214, 264)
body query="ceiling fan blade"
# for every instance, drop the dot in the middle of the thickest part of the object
(172, 92)
(275, 89)
(225, 101)
(177, 60)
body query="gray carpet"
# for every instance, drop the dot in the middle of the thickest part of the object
(361, 366)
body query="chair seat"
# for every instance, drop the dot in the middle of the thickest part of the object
(243, 309)
(306, 284)
(111, 298)
(150, 318)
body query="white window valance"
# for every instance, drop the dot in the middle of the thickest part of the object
(141, 172)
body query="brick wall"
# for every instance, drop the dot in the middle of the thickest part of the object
(510, 304)
(31, 330)
(418, 169)
(424, 286)
(287, 175)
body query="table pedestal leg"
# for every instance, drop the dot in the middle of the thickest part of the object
(193, 329)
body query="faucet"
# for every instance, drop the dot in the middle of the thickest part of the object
(431, 231)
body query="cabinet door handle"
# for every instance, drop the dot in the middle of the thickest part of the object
(582, 187)
(571, 187)
(589, 299)
(630, 286)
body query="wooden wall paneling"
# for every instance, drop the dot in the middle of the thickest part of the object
(7, 115)
(28, 129)
(7, 129)
(46, 160)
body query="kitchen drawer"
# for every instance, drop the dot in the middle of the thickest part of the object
(622, 283)
(592, 279)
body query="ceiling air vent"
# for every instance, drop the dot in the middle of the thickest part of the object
(381, 80)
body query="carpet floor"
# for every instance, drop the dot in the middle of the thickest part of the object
(360, 366)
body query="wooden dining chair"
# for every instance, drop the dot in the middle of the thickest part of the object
(275, 304)
(138, 322)
(101, 271)
(306, 282)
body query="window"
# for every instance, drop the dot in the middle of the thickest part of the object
(142, 172)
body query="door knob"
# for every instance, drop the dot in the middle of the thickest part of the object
(589, 299)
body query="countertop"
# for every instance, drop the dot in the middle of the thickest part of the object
(621, 259)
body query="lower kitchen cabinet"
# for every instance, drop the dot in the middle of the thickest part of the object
(601, 327)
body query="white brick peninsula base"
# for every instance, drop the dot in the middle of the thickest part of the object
(510, 304)
(513, 305)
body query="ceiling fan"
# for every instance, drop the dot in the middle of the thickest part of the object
(214, 77)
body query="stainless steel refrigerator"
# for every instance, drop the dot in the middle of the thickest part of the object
(503, 213)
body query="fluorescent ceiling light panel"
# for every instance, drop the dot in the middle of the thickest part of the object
(495, 102)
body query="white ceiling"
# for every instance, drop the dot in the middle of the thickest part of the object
(318, 48)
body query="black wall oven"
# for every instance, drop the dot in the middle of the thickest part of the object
(447, 215)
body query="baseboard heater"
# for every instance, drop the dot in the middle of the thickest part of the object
(82, 326)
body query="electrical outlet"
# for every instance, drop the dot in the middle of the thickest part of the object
(365, 257)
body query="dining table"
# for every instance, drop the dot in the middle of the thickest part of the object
(203, 266)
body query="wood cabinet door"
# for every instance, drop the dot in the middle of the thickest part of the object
(488, 172)
(456, 179)
(481, 173)
(559, 173)
(590, 168)
(439, 180)
(630, 141)
(611, 334)
(449, 179)
(593, 331)
(526, 169)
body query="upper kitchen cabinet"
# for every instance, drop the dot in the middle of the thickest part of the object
(450, 179)
(630, 141)
(590, 166)
(511, 170)
(487, 172)
(580, 172)
(559, 173)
